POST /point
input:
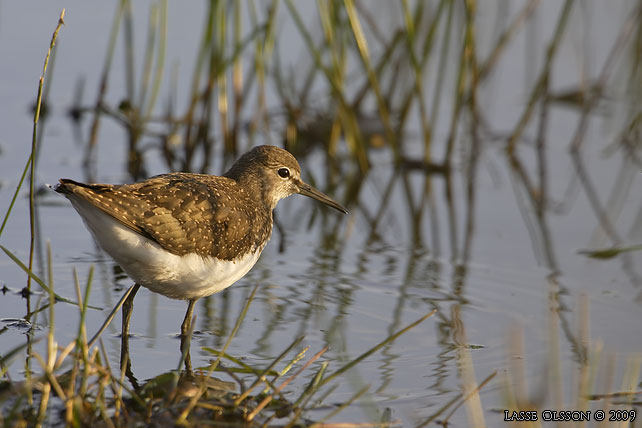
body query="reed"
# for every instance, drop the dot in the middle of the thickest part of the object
(87, 391)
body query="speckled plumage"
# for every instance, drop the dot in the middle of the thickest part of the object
(190, 235)
(186, 213)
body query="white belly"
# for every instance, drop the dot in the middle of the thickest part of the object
(179, 277)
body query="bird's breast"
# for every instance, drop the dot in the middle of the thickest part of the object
(190, 276)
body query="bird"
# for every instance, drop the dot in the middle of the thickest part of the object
(186, 235)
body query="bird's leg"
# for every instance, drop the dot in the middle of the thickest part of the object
(188, 318)
(185, 339)
(185, 345)
(128, 305)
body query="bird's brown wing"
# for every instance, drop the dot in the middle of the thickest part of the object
(185, 213)
(107, 198)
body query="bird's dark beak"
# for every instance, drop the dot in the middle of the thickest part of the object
(307, 190)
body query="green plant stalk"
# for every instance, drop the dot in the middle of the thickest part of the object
(554, 374)
(265, 372)
(213, 62)
(295, 418)
(543, 78)
(111, 316)
(149, 57)
(78, 355)
(475, 143)
(287, 368)
(298, 357)
(44, 400)
(15, 194)
(362, 46)
(470, 394)
(109, 55)
(114, 383)
(609, 252)
(45, 96)
(346, 113)
(31, 164)
(259, 71)
(375, 348)
(471, 56)
(385, 60)
(51, 345)
(206, 41)
(120, 386)
(283, 384)
(101, 405)
(32, 157)
(128, 39)
(5, 358)
(237, 79)
(38, 280)
(268, 45)
(417, 71)
(263, 50)
(322, 397)
(326, 13)
(443, 56)
(629, 380)
(301, 403)
(221, 79)
(51, 351)
(441, 410)
(505, 37)
(312, 386)
(244, 368)
(333, 413)
(430, 36)
(49, 376)
(459, 100)
(586, 363)
(331, 25)
(160, 60)
(81, 339)
(364, 54)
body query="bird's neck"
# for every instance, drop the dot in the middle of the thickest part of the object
(254, 185)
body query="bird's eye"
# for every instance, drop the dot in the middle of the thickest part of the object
(284, 172)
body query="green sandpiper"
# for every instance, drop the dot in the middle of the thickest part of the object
(188, 236)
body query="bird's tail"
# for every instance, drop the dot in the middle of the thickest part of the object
(65, 185)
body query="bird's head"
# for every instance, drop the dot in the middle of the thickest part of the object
(279, 175)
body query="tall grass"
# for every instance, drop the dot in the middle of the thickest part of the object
(87, 391)
(362, 65)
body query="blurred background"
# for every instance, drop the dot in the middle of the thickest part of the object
(488, 153)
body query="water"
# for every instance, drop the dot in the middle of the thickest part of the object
(488, 268)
